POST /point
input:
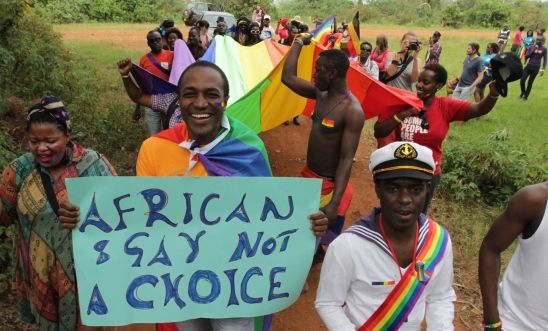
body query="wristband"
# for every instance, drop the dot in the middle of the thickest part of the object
(396, 62)
(491, 325)
(125, 76)
(298, 41)
(397, 119)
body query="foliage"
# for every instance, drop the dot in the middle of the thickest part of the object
(245, 8)
(320, 8)
(452, 16)
(490, 170)
(488, 13)
(137, 11)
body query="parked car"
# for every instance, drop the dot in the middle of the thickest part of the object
(195, 10)
(212, 16)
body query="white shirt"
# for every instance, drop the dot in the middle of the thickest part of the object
(346, 297)
(524, 288)
(372, 68)
(267, 33)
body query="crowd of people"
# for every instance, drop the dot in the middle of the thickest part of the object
(390, 270)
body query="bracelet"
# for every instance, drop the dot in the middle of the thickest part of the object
(492, 97)
(491, 325)
(396, 62)
(298, 41)
(397, 118)
(125, 76)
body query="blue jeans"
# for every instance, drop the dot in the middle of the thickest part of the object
(154, 121)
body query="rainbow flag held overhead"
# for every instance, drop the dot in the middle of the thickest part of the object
(244, 66)
(324, 29)
(270, 102)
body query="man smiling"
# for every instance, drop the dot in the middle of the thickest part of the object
(208, 143)
(390, 269)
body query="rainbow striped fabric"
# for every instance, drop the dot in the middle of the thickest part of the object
(244, 66)
(324, 29)
(260, 100)
(239, 153)
(270, 102)
(401, 301)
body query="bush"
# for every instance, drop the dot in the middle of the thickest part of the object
(488, 13)
(138, 11)
(452, 16)
(491, 171)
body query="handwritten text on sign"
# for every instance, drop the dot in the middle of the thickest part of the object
(159, 249)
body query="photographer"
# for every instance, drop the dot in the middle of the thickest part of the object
(402, 68)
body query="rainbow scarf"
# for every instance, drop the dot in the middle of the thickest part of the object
(237, 151)
(397, 306)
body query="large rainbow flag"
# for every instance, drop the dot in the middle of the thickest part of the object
(244, 66)
(260, 100)
(270, 102)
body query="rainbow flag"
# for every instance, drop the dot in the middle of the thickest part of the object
(270, 102)
(238, 153)
(400, 302)
(244, 66)
(324, 29)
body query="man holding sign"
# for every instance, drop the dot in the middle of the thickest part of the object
(391, 267)
(208, 143)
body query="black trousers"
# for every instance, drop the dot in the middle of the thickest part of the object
(530, 72)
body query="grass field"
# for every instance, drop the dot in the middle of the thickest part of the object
(523, 123)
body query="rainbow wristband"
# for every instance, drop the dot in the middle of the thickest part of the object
(492, 325)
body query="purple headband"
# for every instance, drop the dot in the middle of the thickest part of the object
(54, 107)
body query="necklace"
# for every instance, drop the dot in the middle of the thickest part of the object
(316, 113)
(394, 256)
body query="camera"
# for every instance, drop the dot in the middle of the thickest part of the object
(413, 45)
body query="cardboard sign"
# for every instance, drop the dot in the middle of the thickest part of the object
(165, 249)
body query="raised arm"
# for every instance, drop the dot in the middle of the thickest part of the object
(349, 144)
(484, 106)
(523, 212)
(133, 91)
(289, 73)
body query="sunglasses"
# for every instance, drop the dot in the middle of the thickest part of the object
(255, 32)
(366, 50)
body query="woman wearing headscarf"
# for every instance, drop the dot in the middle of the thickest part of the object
(31, 189)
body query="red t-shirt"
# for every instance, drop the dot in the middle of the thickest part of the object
(442, 111)
(164, 58)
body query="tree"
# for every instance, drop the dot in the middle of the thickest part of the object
(452, 15)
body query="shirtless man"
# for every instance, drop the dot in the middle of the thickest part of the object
(337, 124)
(518, 302)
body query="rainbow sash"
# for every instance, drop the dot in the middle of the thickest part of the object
(400, 302)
